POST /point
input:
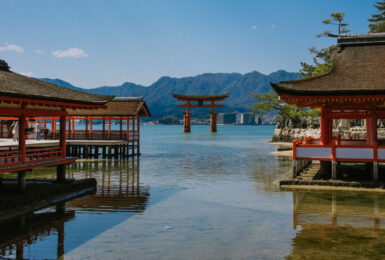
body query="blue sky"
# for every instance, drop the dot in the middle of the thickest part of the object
(91, 43)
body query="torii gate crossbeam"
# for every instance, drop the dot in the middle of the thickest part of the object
(201, 101)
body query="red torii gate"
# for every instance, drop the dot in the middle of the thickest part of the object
(200, 99)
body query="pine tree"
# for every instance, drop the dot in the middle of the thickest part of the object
(378, 20)
(322, 58)
(337, 19)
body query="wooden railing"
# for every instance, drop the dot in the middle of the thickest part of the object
(338, 150)
(32, 155)
(102, 135)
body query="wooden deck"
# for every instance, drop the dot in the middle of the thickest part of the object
(31, 165)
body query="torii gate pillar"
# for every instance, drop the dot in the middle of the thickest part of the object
(200, 102)
(213, 122)
(187, 122)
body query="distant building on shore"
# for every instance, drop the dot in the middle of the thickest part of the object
(236, 119)
(246, 119)
(226, 118)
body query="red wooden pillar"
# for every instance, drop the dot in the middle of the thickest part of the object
(138, 128)
(63, 135)
(187, 119)
(371, 128)
(73, 128)
(128, 128)
(54, 127)
(86, 127)
(121, 128)
(104, 128)
(109, 128)
(45, 122)
(326, 127)
(69, 129)
(91, 127)
(22, 138)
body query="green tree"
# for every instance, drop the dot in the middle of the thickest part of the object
(265, 102)
(378, 20)
(322, 58)
(270, 102)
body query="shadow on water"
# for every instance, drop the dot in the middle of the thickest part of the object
(118, 196)
(338, 225)
(19, 234)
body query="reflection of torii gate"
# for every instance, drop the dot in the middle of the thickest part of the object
(200, 99)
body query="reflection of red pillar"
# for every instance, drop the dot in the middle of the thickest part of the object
(213, 122)
(60, 240)
(20, 250)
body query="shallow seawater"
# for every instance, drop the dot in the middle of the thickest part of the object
(201, 196)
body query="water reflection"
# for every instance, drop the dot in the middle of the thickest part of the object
(32, 228)
(52, 232)
(338, 224)
(118, 187)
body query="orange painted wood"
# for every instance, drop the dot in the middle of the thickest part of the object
(91, 127)
(206, 106)
(109, 128)
(128, 129)
(49, 103)
(63, 135)
(121, 127)
(22, 138)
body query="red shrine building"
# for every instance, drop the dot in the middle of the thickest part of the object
(24, 98)
(353, 89)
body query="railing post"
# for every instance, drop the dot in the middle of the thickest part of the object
(295, 159)
(22, 145)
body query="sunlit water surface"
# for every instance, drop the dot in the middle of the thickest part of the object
(204, 196)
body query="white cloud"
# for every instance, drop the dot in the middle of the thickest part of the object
(11, 47)
(38, 51)
(254, 27)
(72, 52)
(28, 74)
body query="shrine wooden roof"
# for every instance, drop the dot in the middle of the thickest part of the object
(357, 69)
(183, 97)
(13, 85)
(119, 106)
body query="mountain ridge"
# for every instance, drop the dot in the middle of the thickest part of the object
(158, 95)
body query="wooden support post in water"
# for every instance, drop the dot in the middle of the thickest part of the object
(187, 122)
(21, 183)
(61, 173)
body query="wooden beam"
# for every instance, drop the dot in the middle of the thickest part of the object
(193, 106)
(30, 112)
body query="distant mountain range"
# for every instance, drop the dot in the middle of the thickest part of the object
(158, 96)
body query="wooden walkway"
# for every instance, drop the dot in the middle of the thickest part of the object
(82, 148)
